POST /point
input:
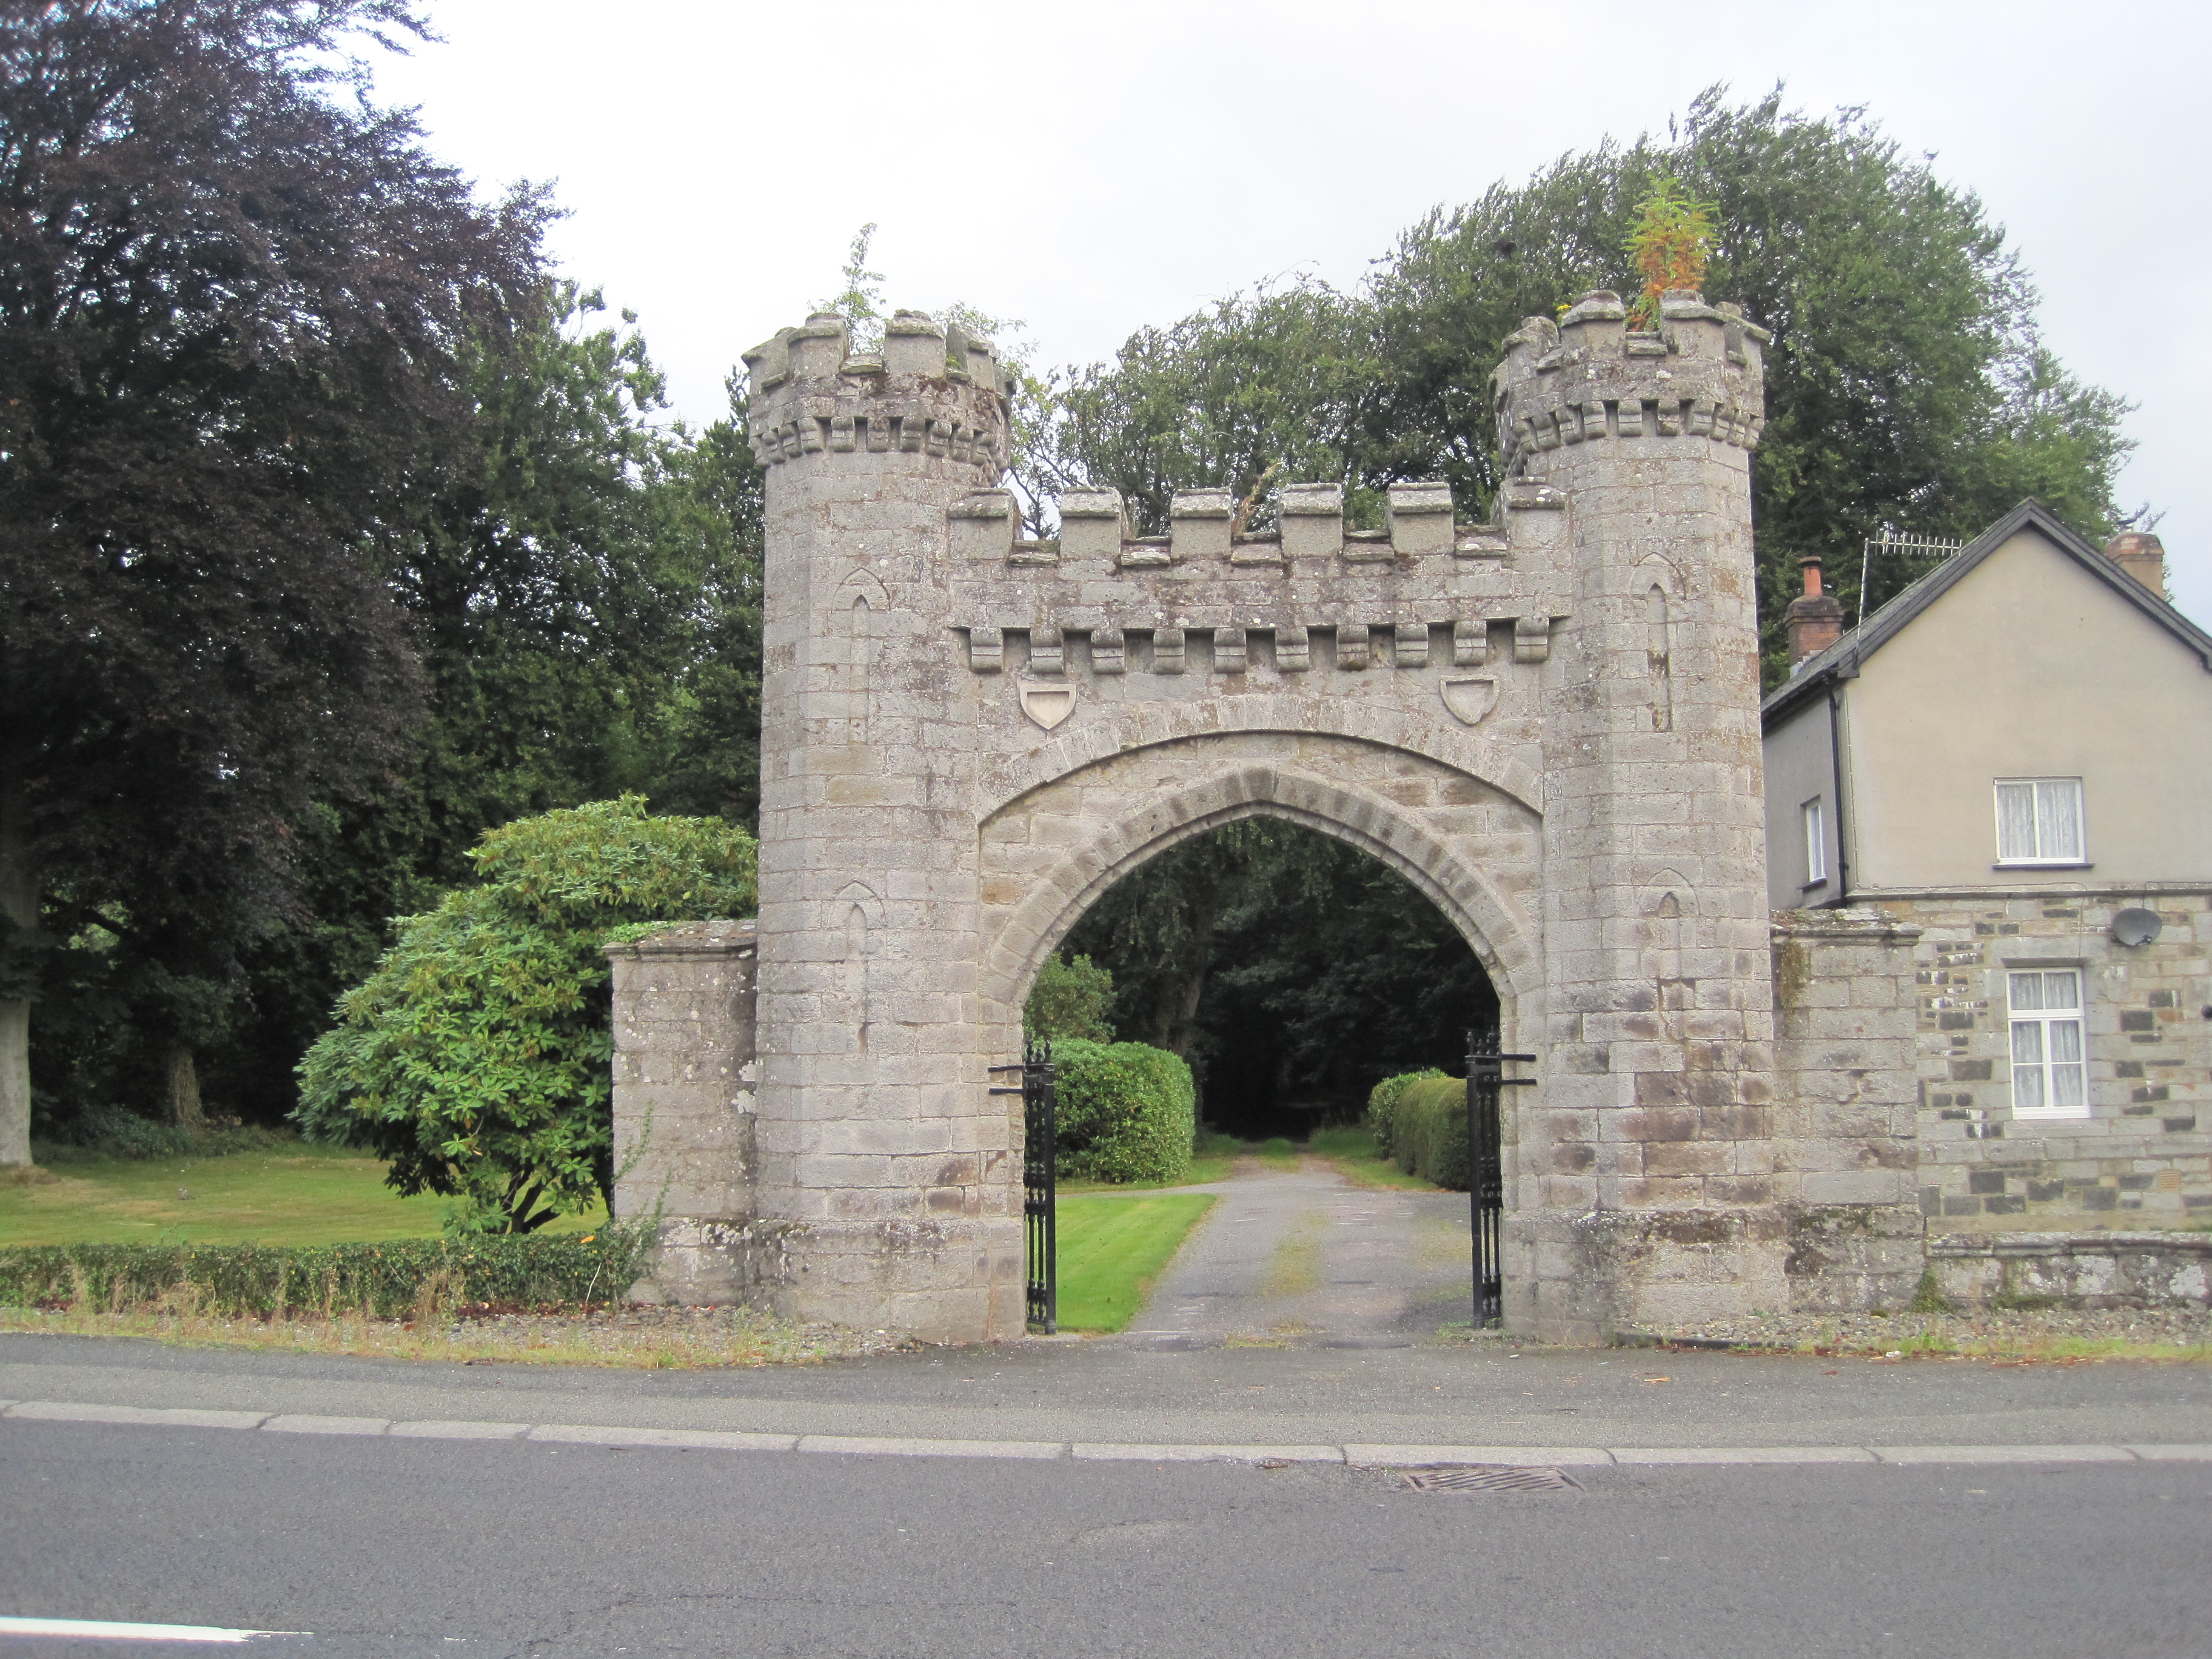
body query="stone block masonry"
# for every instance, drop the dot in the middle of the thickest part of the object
(1547, 722)
(1658, 1024)
(686, 1083)
(1846, 1116)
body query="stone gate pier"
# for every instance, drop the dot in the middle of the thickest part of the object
(1547, 722)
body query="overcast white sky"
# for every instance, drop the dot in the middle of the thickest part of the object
(1090, 168)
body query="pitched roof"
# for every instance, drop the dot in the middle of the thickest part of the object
(1841, 660)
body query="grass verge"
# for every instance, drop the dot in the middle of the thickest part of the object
(1351, 1150)
(1111, 1250)
(2021, 1346)
(652, 1339)
(301, 1194)
(1204, 1171)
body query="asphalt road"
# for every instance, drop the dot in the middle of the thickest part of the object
(376, 1540)
(394, 1547)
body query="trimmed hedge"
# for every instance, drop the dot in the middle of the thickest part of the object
(1127, 1112)
(1429, 1130)
(1381, 1108)
(387, 1279)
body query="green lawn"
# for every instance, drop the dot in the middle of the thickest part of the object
(1112, 1245)
(1351, 1150)
(302, 1194)
(1112, 1248)
(1204, 1171)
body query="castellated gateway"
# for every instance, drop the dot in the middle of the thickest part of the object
(1549, 723)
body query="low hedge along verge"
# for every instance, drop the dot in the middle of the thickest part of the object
(1428, 1131)
(1382, 1109)
(387, 1281)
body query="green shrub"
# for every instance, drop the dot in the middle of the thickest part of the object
(1429, 1128)
(1070, 999)
(1126, 1112)
(386, 1279)
(1382, 1104)
(475, 1059)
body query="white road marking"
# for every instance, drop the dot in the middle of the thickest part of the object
(1179, 1454)
(108, 1630)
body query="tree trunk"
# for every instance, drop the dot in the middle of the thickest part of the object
(1177, 1017)
(19, 904)
(184, 1088)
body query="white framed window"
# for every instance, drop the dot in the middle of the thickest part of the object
(2039, 821)
(2050, 1078)
(1816, 842)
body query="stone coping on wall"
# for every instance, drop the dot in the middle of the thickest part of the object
(689, 939)
(1865, 923)
(2042, 891)
(2075, 1269)
(2085, 1242)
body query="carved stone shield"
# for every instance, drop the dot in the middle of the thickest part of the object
(1470, 696)
(1048, 705)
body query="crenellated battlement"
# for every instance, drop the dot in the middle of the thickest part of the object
(1589, 379)
(1379, 595)
(932, 390)
(1312, 531)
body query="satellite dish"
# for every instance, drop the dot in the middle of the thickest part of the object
(2135, 926)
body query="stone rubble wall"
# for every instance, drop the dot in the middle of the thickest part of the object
(2143, 1158)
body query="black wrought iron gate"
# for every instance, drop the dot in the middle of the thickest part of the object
(1485, 1188)
(1040, 1144)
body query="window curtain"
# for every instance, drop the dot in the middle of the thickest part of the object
(2058, 819)
(2016, 821)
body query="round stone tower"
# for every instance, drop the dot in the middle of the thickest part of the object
(1649, 1156)
(884, 1191)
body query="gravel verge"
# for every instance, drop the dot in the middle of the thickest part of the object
(637, 1335)
(2032, 1333)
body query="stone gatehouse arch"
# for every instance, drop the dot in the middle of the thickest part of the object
(1547, 722)
(1202, 784)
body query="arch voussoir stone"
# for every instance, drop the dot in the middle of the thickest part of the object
(1347, 810)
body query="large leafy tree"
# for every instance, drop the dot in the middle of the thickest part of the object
(1906, 387)
(235, 297)
(582, 586)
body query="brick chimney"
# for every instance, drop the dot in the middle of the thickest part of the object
(2142, 555)
(1815, 621)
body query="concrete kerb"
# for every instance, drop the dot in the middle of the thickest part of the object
(1358, 1455)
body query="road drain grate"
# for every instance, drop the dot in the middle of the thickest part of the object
(1488, 1478)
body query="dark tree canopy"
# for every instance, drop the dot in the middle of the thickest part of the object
(582, 586)
(233, 300)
